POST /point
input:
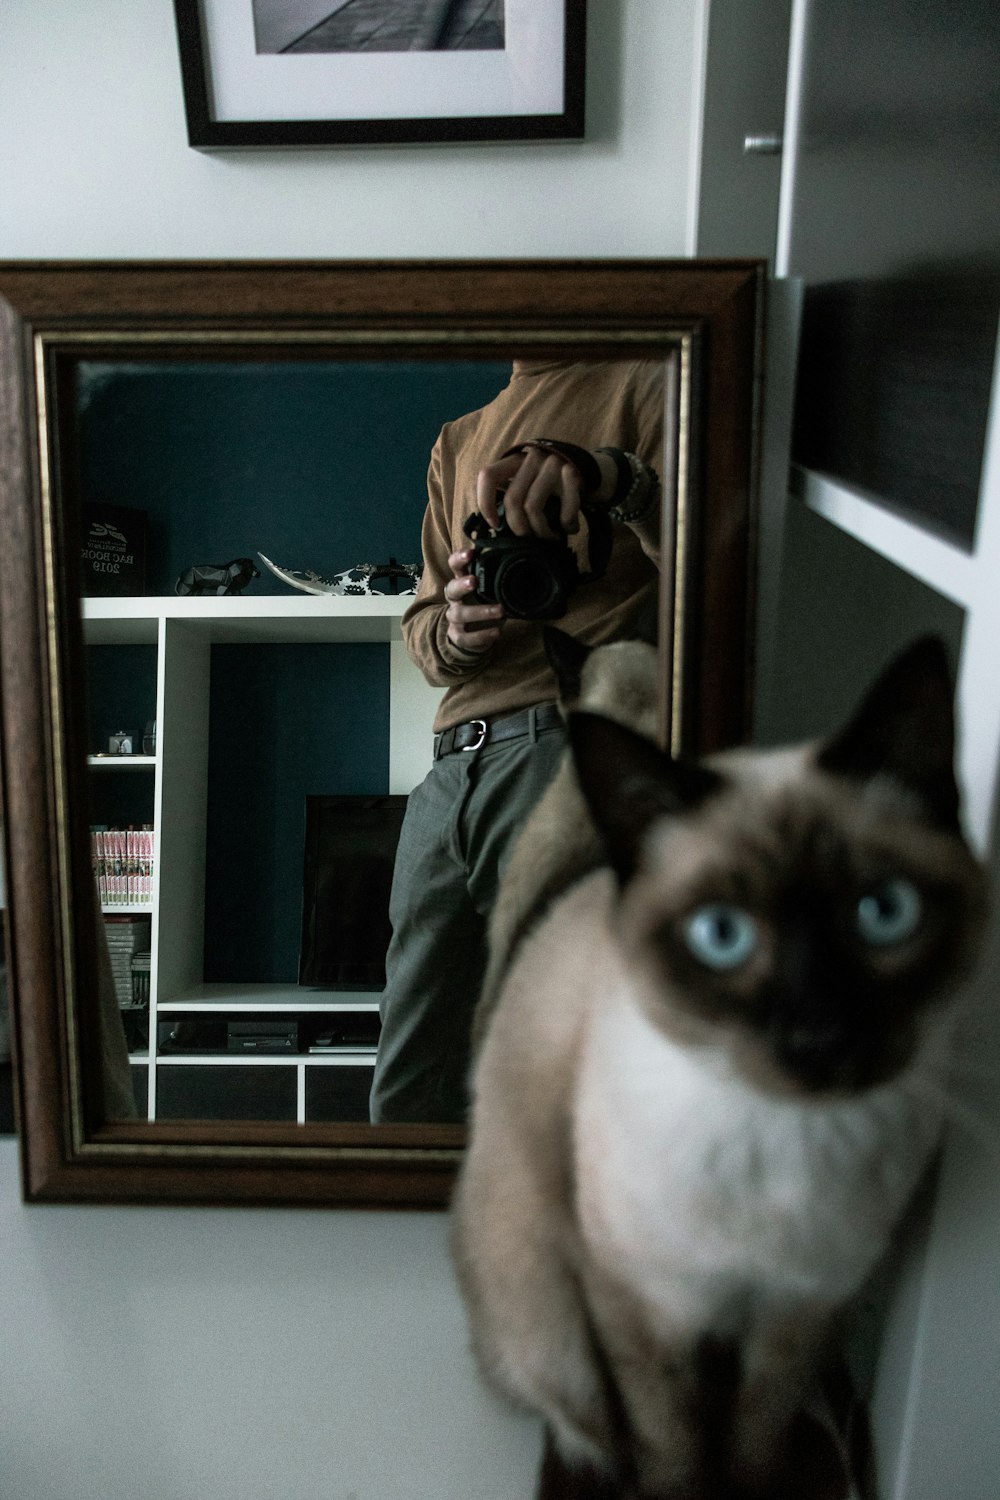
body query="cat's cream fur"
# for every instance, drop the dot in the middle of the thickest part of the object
(559, 839)
(644, 1186)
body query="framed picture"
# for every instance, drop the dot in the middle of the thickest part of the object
(363, 72)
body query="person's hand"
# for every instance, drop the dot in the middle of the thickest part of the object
(471, 626)
(528, 480)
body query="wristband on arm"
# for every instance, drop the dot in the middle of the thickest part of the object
(582, 460)
(637, 484)
(637, 489)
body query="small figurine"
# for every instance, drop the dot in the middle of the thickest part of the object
(217, 578)
(352, 581)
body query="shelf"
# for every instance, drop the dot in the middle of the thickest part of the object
(944, 567)
(264, 1060)
(121, 762)
(128, 909)
(300, 619)
(268, 997)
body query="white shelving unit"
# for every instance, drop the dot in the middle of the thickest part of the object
(940, 1328)
(968, 578)
(183, 631)
(933, 1401)
(121, 762)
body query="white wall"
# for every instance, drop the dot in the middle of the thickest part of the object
(94, 160)
(203, 1354)
(198, 1355)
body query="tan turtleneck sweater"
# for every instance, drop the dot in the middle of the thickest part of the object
(601, 404)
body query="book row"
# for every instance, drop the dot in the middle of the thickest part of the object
(128, 939)
(138, 987)
(123, 861)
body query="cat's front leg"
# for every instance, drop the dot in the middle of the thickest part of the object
(666, 1451)
(780, 1373)
(513, 1250)
(671, 1388)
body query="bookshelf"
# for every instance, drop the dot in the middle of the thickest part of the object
(212, 1081)
(965, 576)
(121, 762)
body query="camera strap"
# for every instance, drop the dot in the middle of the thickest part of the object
(600, 535)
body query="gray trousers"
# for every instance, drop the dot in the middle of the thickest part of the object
(458, 830)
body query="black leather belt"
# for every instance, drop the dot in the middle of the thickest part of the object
(479, 732)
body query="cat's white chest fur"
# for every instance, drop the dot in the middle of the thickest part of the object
(705, 1197)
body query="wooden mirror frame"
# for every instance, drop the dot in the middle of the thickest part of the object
(51, 311)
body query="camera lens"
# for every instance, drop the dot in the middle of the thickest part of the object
(528, 589)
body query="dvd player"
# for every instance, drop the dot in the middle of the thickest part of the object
(262, 1036)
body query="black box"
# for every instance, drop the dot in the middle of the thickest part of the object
(350, 850)
(114, 551)
(262, 1036)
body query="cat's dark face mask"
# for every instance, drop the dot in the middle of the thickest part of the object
(820, 962)
(816, 924)
(813, 943)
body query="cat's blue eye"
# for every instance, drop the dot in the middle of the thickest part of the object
(721, 936)
(889, 913)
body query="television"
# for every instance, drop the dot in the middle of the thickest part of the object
(350, 850)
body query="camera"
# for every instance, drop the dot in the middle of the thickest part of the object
(532, 577)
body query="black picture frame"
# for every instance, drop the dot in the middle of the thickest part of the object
(211, 127)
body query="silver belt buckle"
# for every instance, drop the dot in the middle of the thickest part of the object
(483, 732)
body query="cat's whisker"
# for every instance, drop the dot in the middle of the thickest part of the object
(976, 1023)
(968, 1061)
(971, 1052)
(974, 1003)
(974, 1069)
(956, 1112)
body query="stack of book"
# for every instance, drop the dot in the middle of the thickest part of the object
(122, 860)
(127, 938)
(140, 978)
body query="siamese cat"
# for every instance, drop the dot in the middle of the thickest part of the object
(707, 1087)
(559, 841)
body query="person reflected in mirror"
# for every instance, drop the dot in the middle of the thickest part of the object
(114, 1092)
(499, 734)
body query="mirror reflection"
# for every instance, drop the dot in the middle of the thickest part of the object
(6, 1070)
(265, 691)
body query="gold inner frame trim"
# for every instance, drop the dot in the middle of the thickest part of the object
(363, 334)
(426, 1155)
(63, 872)
(682, 535)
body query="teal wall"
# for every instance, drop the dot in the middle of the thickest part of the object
(319, 465)
(285, 722)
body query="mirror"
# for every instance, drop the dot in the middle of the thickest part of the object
(287, 410)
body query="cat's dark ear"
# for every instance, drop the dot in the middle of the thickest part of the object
(566, 658)
(905, 728)
(629, 783)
